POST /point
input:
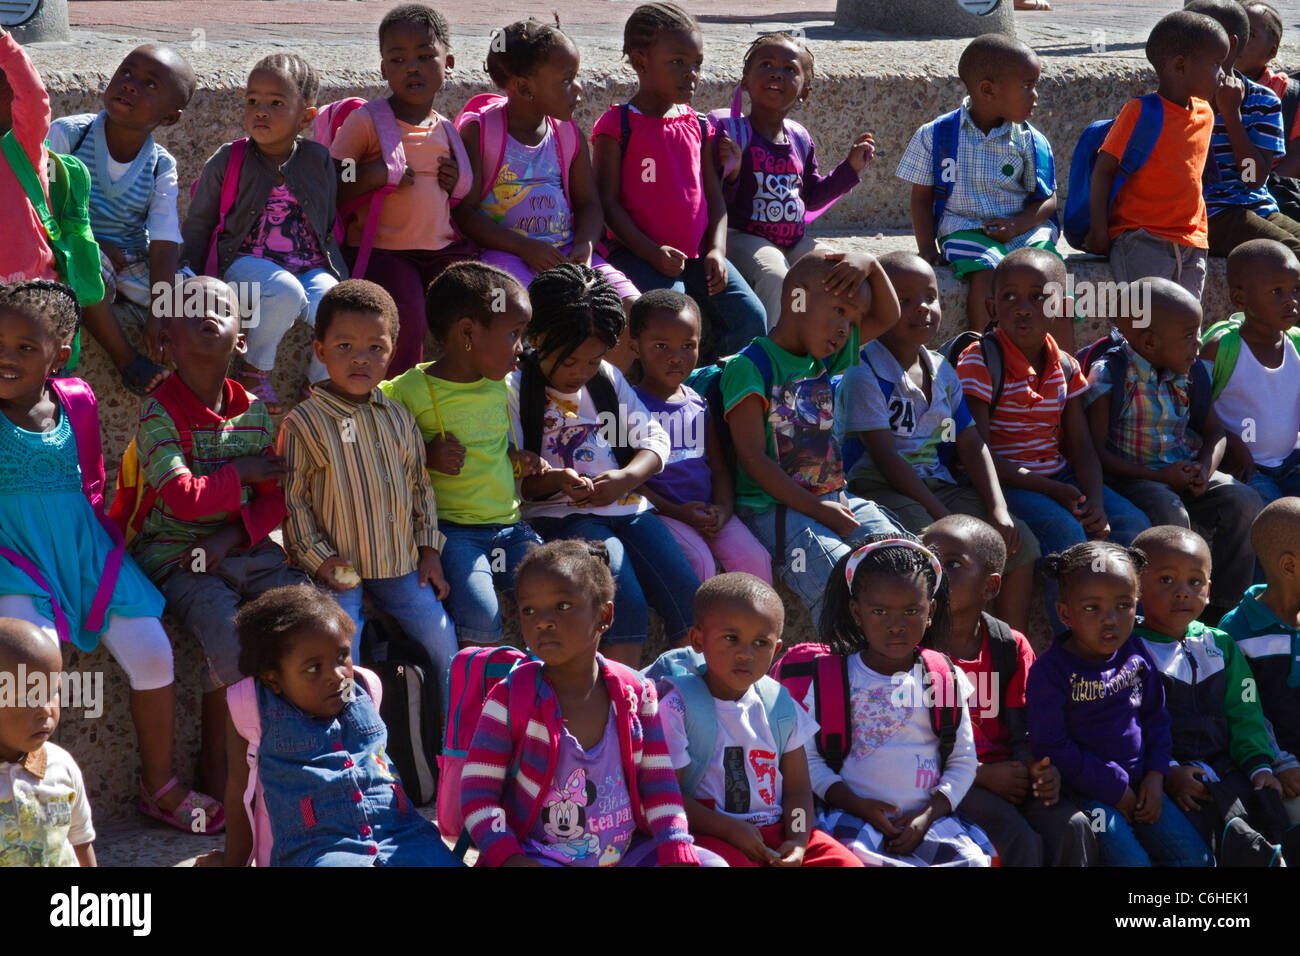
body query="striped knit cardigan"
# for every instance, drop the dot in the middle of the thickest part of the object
(527, 703)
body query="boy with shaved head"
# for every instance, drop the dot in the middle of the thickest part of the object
(1255, 368)
(133, 193)
(1158, 438)
(997, 192)
(44, 813)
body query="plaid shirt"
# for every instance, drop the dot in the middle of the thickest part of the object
(1152, 429)
(1261, 115)
(995, 173)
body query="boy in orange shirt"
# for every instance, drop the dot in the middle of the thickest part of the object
(1156, 225)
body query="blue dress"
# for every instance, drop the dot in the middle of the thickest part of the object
(44, 516)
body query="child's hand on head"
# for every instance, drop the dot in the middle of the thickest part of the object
(1185, 787)
(445, 454)
(580, 252)
(430, 570)
(326, 574)
(540, 255)
(669, 262)
(860, 153)
(1150, 798)
(850, 271)
(1046, 781)
(729, 156)
(715, 270)
(448, 173)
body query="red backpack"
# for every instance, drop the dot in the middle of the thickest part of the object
(818, 666)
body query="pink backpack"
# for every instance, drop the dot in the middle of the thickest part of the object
(474, 672)
(241, 698)
(78, 403)
(329, 119)
(489, 111)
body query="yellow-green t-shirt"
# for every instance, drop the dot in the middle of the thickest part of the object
(476, 413)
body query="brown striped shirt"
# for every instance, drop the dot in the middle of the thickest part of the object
(357, 487)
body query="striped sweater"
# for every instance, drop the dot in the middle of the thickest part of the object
(487, 796)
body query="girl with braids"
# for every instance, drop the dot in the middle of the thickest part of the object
(769, 169)
(891, 801)
(660, 192)
(62, 565)
(1096, 707)
(600, 442)
(588, 781)
(278, 237)
(534, 214)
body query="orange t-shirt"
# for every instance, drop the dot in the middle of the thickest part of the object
(417, 216)
(1164, 195)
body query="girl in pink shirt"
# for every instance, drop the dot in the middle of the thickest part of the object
(661, 195)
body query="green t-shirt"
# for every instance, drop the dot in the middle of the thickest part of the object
(798, 422)
(476, 413)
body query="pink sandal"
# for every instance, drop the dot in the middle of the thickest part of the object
(197, 813)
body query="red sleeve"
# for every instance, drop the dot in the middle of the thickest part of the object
(608, 125)
(264, 511)
(1122, 129)
(31, 103)
(191, 498)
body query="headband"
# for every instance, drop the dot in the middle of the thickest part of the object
(856, 558)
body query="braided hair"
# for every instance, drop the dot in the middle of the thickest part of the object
(522, 48)
(1091, 557)
(838, 628)
(651, 19)
(805, 54)
(51, 303)
(416, 15)
(296, 70)
(572, 303)
(586, 563)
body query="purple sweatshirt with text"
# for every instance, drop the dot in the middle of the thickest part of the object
(774, 189)
(1104, 725)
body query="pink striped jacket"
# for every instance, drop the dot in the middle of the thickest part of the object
(518, 736)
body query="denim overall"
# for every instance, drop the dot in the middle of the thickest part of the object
(333, 796)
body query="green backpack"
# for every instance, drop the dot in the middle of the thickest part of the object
(76, 253)
(1225, 360)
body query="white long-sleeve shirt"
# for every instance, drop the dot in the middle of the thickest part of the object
(894, 754)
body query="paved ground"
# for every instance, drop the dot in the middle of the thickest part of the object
(1071, 24)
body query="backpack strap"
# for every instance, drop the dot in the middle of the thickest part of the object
(568, 140)
(81, 138)
(780, 709)
(522, 686)
(492, 135)
(1199, 390)
(1044, 165)
(991, 350)
(1003, 649)
(1140, 142)
(604, 395)
(946, 136)
(945, 714)
(701, 728)
(146, 494)
(465, 174)
(1225, 359)
(394, 156)
(1290, 103)
(229, 191)
(241, 701)
(532, 401)
(624, 130)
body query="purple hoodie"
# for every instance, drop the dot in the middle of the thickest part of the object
(1103, 725)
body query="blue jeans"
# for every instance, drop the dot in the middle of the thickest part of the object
(416, 609)
(810, 550)
(1280, 481)
(657, 571)
(1170, 841)
(735, 314)
(1057, 529)
(282, 299)
(481, 559)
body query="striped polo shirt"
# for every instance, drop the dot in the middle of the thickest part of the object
(1025, 427)
(1261, 115)
(357, 486)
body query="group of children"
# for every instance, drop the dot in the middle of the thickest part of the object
(897, 492)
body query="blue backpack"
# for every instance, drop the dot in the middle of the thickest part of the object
(683, 669)
(1110, 348)
(1146, 131)
(943, 162)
